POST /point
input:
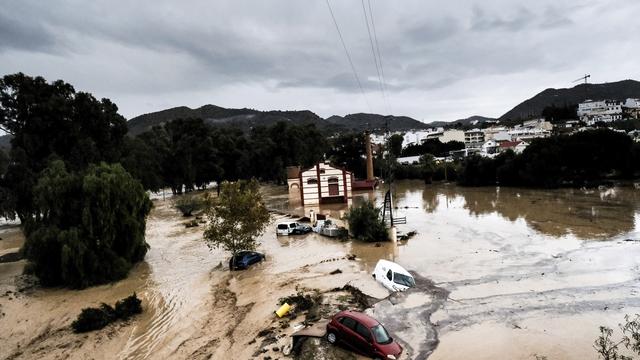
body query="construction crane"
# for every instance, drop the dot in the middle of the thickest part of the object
(587, 76)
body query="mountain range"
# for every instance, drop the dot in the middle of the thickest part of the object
(620, 90)
(246, 119)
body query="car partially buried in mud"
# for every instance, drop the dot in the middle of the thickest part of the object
(393, 276)
(243, 259)
(362, 334)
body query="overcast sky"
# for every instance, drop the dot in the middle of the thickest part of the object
(441, 60)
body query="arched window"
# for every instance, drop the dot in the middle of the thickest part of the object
(332, 180)
(312, 181)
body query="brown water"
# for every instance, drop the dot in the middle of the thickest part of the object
(538, 268)
(527, 272)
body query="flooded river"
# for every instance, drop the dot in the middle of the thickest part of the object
(516, 274)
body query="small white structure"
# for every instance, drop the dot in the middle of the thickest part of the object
(490, 147)
(321, 184)
(408, 160)
(521, 146)
(606, 111)
(631, 107)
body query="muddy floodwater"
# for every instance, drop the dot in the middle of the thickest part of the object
(502, 274)
(529, 272)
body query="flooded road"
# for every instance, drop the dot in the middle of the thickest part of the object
(505, 273)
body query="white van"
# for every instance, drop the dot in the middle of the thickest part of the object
(393, 276)
(291, 228)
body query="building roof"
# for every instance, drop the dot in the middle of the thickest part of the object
(326, 163)
(509, 144)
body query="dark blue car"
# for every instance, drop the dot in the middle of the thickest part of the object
(244, 259)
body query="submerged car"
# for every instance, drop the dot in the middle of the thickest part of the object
(292, 228)
(244, 259)
(393, 276)
(362, 334)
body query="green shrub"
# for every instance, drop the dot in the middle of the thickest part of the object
(128, 307)
(97, 318)
(94, 318)
(365, 223)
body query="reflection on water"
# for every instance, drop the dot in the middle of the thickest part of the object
(585, 214)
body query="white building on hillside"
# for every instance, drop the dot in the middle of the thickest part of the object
(528, 133)
(452, 135)
(632, 108)
(538, 124)
(606, 111)
(490, 147)
(473, 138)
(420, 136)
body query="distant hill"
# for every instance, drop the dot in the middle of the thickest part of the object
(373, 122)
(469, 122)
(533, 107)
(243, 119)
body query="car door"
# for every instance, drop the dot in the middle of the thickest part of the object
(388, 280)
(255, 258)
(348, 333)
(363, 339)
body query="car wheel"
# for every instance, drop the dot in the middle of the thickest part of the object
(332, 337)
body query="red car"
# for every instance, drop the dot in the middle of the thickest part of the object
(362, 334)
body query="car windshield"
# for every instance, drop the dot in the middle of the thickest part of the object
(403, 280)
(282, 226)
(380, 334)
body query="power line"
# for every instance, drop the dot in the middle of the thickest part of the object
(375, 36)
(373, 51)
(346, 51)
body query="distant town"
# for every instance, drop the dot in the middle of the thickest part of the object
(495, 138)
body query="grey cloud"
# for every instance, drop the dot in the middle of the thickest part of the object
(16, 33)
(434, 31)
(555, 18)
(481, 21)
(166, 49)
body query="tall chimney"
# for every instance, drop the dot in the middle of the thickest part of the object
(369, 156)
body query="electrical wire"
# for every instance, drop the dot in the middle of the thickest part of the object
(346, 51)
(373, 51)
(375, 37)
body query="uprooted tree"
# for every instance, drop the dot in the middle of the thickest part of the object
(236, 217)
